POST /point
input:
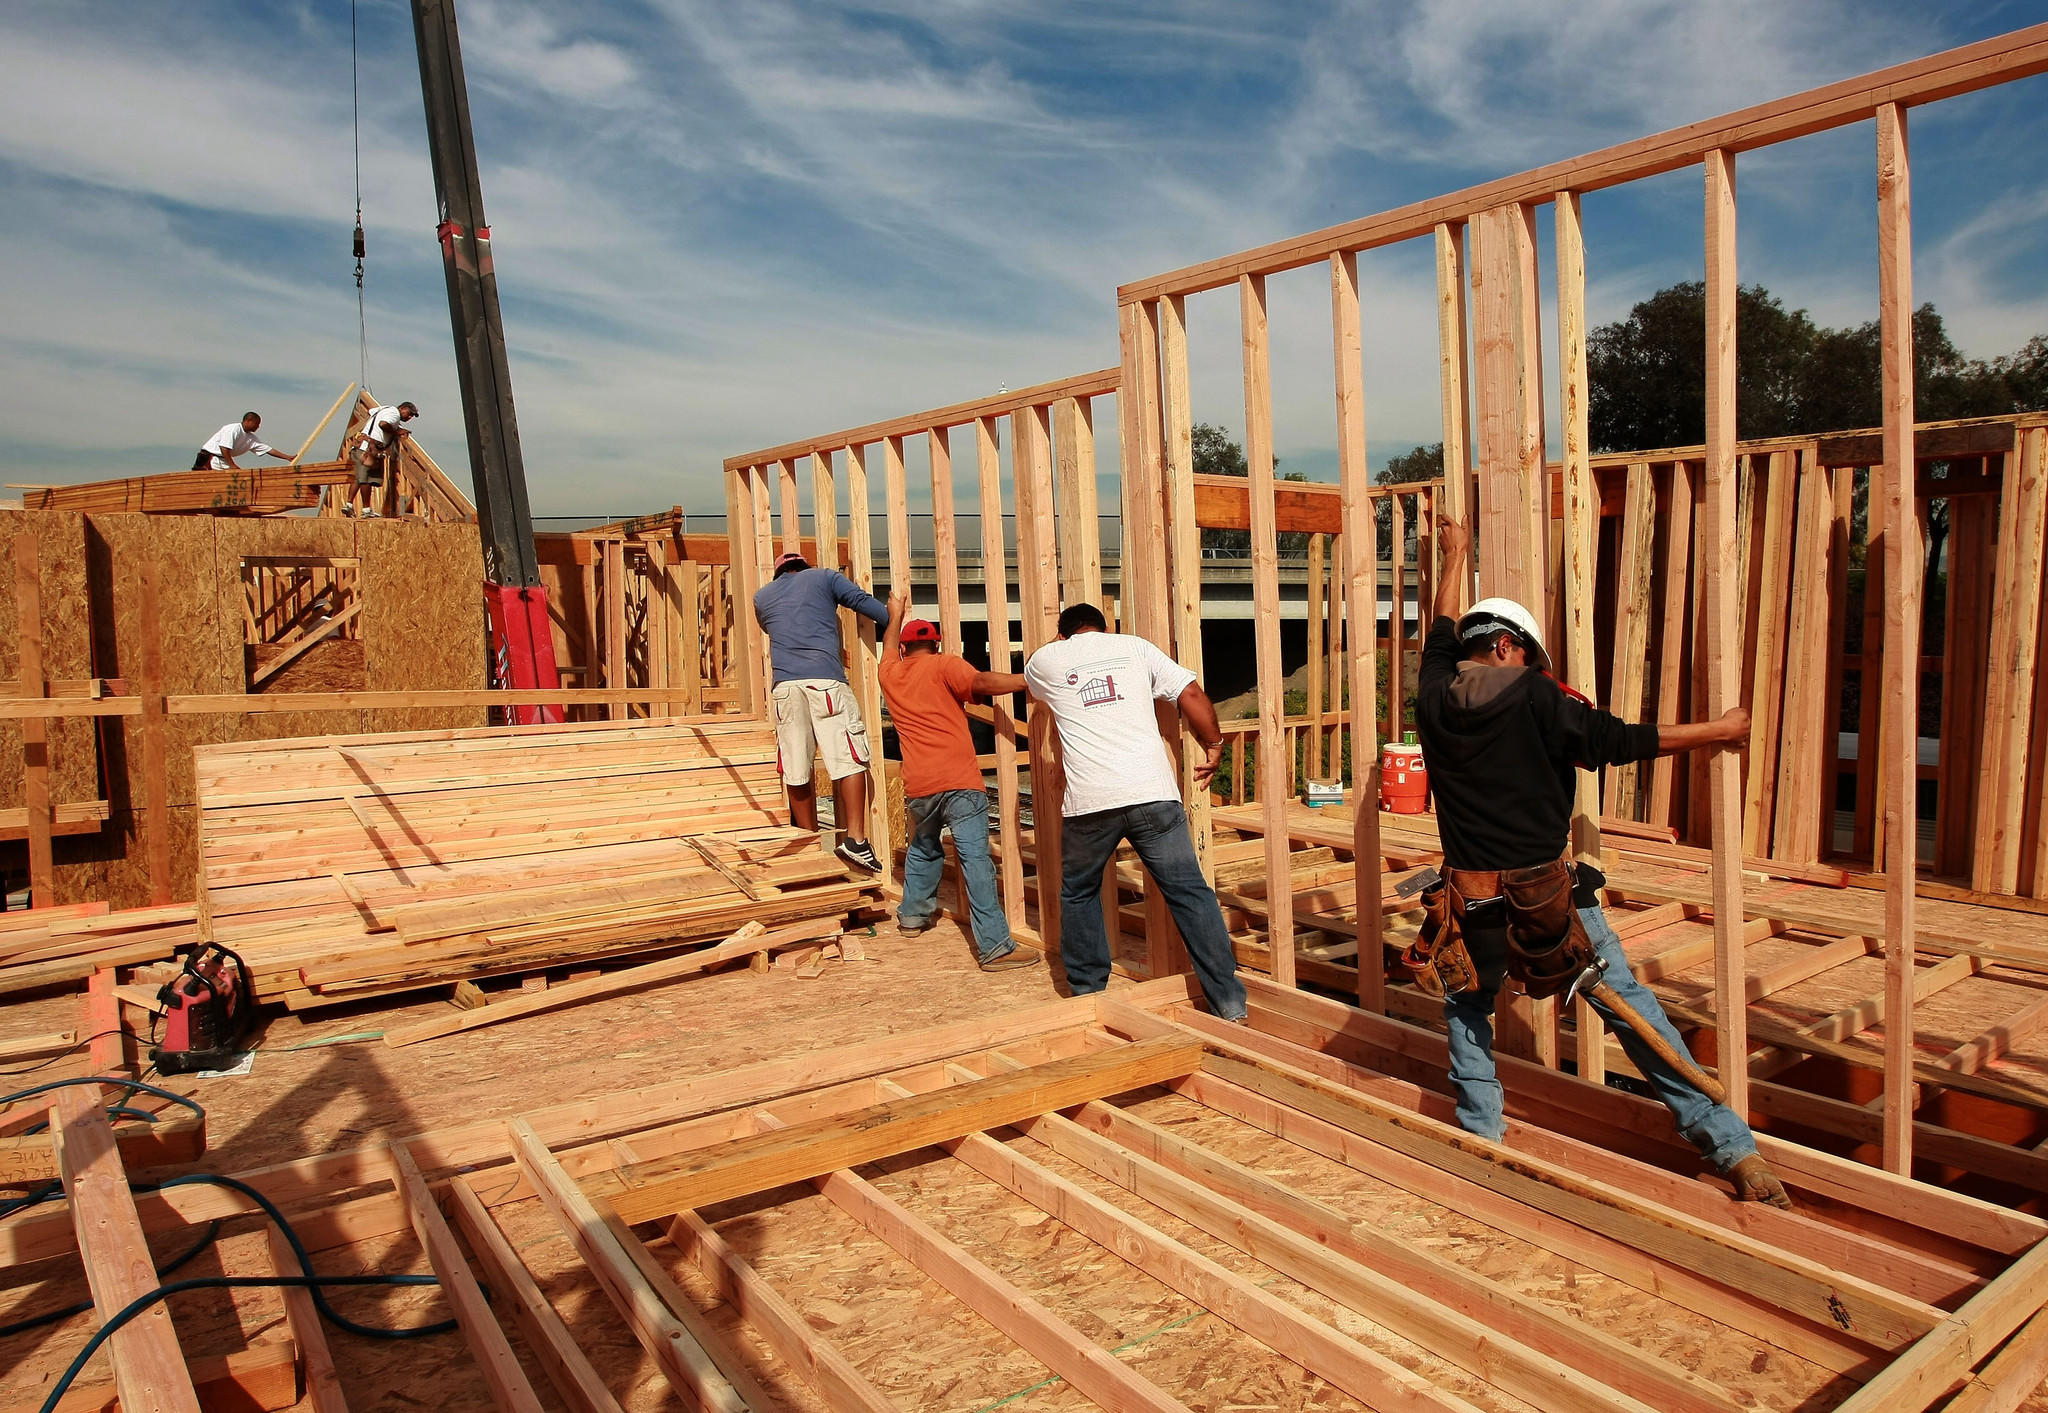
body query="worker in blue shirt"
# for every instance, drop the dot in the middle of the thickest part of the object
(815, 711)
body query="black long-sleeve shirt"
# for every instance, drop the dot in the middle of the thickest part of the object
(1501, 745)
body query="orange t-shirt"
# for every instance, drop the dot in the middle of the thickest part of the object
(925, 691)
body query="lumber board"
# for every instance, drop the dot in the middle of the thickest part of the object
(323, 1381)
(646, 1192)
(149, 1368)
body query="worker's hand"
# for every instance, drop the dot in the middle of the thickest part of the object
(1734, 724)
(1453, 538)
(1212, 757)
(899, 604)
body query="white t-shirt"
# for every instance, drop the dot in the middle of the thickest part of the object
(232, 440)
(1100, 688)
(382, 428)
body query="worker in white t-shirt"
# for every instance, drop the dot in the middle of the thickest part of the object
(219, 451)
(375, 443)
(1100, 687)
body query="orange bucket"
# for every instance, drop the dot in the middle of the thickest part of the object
(1404, 779)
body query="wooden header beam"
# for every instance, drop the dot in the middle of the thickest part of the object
(1986, 64)
(960, 414)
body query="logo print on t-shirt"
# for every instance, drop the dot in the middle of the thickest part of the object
(1100, 691)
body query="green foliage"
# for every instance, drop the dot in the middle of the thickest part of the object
(1424, 463)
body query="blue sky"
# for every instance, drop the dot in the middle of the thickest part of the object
(720, 226)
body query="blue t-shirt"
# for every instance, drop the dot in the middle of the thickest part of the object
(800, 614)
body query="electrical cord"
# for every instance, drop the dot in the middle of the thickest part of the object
(51, 1317)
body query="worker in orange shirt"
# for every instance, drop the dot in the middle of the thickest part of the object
(942, 784)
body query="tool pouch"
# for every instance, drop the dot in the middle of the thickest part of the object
(1547, 943)
(1438, 956)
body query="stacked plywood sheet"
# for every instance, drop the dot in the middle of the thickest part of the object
(340, 867)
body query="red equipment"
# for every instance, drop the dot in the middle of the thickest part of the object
(522, 648)
(208, 1010)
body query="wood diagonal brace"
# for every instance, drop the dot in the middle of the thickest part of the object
(1034, 1328)
(647, 1191)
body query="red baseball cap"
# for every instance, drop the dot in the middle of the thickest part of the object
(920, 630)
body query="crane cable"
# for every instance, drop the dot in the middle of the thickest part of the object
(356, 104)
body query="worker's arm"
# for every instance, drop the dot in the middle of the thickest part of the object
(1727, 731)
(859, 599)
(1200, 714)
(899, 610)
(997, 684)
(280, 455)
(1453, 542)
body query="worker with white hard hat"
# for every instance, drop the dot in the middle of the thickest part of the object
(1504, 741)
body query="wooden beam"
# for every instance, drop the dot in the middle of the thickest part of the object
(865, 666)
(1900, 746)
(551, 1341)
(1982, 65)
(1361, 538)
(1184, 562)
(671, 1330)
(2009, 749)
(792, 517)
(1581, 500)
(1452, 371)
(35, 735)
(487, 1342)
(945, 537)
(996, 595)
(149, 1369)
(647, 1191)
(1038, 594)
(1721, 564)
(1258, 438)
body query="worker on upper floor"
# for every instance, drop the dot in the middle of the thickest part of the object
(374, 446)
(1504, 741)
(1100, 687)
(942, 784)
(815, 713)
(218, 452)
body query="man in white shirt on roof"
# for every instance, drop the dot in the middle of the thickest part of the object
(374, 445)
(219, 451)
(1100, 687)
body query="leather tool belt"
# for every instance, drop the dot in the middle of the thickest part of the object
(1547, 942)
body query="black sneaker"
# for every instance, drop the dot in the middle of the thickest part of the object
(860, 854)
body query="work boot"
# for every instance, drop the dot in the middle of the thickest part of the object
(1755, 1182)
(1013, 959)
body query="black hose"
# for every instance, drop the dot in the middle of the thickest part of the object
(51, 1317)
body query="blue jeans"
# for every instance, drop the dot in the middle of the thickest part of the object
(965, 812)
(1717, 1131)
(1159, 833)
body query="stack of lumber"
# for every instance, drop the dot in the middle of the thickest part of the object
(254, 490)
(342, 867)
(54, 946)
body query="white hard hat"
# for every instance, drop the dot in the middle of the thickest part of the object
(1493, 615)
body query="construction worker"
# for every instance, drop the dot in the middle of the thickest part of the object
(815, 713)
(1100, 687)
(374, 448)
(1503, 741)
(942, 784)
(219, 451)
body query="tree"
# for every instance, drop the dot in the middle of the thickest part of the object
(1215, 454)
(1424, 463)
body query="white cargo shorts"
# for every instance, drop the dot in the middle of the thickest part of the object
(818, 716)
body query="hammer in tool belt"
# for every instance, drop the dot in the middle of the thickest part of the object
(1593, 981)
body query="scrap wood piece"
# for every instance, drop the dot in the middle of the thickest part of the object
(1832, 1299)
(730, 874)
(26, 1159)
(753, 937)
(1944, 1356)
(149, 1368)
(659, 1189)
(263, 1376)
(487, 1342)
(669, 1328)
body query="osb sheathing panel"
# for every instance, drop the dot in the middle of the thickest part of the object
(566, 617)
(117, 546)
(235, 540)
(332, 665)
(67, 651)
(423, 617)
(113, 865)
